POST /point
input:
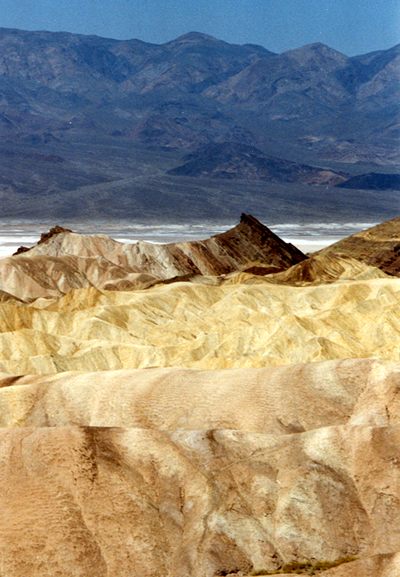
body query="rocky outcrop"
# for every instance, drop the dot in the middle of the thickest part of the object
(44, 237)
(63, 261)
(20, 250)
(250, 240)
(378, 246)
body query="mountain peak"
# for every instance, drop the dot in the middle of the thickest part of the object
(193, 37)
(319, 47)
(316, 51)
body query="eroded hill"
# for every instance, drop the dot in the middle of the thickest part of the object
(229, 408)
(378, 246)
(62, 260)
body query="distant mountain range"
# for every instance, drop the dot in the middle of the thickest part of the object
(84, 116)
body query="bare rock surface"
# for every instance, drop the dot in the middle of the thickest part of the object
(378, 246)
(62, 260)
(131, 501)
(326, 268)
(355, 391)
(374, 566)
(31, 277)
(202, 326)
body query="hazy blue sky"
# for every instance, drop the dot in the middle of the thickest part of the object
(352, 26)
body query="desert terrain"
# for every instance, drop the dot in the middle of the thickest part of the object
(209, 408)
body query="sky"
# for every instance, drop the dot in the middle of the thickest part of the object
(350, 26)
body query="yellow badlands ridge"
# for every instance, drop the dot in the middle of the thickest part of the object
(219, 408)
(200, 326)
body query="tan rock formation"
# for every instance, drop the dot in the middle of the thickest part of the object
(31, 277)
(34, 277)
(64, 261)
(146, 503)
(45, 237)
(229, 251)
(377, 246)
(200, 326)
(356, 391)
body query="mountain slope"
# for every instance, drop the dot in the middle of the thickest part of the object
(306, 77)
(234, 425)
(231, 160)
(131, 501)
(201, 488)
(374, 181)
(201, 326)
(378, 246)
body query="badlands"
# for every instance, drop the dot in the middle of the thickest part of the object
(226, 407)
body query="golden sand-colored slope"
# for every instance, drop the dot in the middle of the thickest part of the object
(326, 268)
(377, 246)
(355, 391)
(199, 326)
(140, 502)
(201, 473)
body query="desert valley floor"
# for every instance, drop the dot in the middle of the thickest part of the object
(225, 407)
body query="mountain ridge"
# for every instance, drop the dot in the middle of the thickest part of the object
(231, 160)
(311, 105)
